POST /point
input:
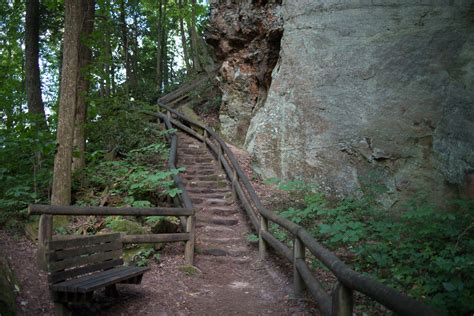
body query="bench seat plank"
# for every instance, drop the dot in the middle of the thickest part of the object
(98, 280)
(67, 274)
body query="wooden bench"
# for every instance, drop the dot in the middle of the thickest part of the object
(78, 266)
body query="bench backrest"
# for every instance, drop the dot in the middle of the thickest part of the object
(72, 257)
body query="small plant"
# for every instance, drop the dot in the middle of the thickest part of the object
(252, 238)
(141, 259)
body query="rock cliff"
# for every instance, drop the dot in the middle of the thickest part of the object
(366, 94)
(246, 37)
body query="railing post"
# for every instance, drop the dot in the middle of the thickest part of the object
(189, 247)
(342, 300)
(298, 253)
(234, 184)
(45, 233)
(204, 138)
(219, 155)
(262, 245)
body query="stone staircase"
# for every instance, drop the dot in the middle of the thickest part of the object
(221, 229)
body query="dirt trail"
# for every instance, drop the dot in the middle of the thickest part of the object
(230, 278)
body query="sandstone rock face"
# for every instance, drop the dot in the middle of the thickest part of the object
(246, 39)
(370, 93)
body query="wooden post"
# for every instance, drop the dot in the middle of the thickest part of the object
(204, 137)
(45, 233)
(61, 309)
(262, 245)
(219, 156)
(189, 247)
(298, 253)
(234, 184)
(342, 300)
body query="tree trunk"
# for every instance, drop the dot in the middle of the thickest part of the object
(33, 81)
(85, 56)
(159, 50)
(61, 194)
(164, 47)
(125, 42)
(194, 40)
(183, 38)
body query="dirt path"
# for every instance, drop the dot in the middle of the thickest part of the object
(230, 278)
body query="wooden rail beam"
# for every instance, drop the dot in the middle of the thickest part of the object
(37, 209)
(154, 238)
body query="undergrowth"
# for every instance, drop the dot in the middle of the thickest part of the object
(422, 250)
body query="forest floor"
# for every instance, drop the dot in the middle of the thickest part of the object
(229, 279)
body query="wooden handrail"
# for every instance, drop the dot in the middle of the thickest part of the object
(184, 199)
(37, 209)
(341, 302)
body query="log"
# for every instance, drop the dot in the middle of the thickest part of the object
(314, 287)
(36, 209)
(154, 238)
(280, 247)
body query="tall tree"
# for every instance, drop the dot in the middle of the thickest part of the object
(126, 45)
(194, 39)
(61, 190)
(85, 56)
(32, 71)
(183, 36)
(159, 46)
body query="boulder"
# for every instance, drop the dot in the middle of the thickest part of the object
(370, 94)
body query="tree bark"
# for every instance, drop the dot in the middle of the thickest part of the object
(61, 193)
(125, 43)
(164, 46)
(85, 57)
(33, 81)
(194, 40)
(159, 50)
(183, 38)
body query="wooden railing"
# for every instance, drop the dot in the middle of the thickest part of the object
(340, 301)
(187, 236)
(185, 212)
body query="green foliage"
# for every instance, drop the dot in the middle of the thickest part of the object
(252, 238)
(25, 172)
(425, 251)
(118, 224)
(142, 258)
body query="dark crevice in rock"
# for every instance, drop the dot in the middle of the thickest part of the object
(246, 39)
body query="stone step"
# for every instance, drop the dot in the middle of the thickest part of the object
(219, 252)
(202, 221)
(199, 166)
(218, 231)
(193, 152)
(205, 183)
(216, 195)
(212, 201)
(219, 240)
(211, 177)
(223, 259)
(202, 171)
(196, 160)
(219, 210)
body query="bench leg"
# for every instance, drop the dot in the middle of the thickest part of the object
(111, 290)
(61, 309)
